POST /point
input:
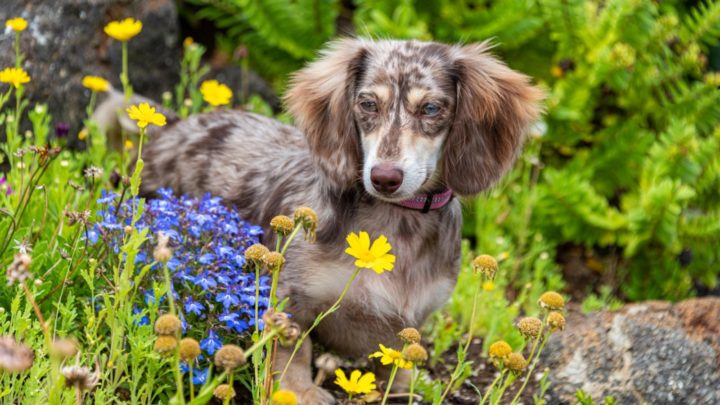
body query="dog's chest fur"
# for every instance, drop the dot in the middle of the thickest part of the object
(264, 168)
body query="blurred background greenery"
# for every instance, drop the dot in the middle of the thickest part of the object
(617, 193)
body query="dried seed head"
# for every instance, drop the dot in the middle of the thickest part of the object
(487, 265)
(530, 327)
(75, 217)
(308, 219)
(516, 362)
(255, 253)
(275, 319)
(18, 271)
(282, 224)
(556, 321)
(290, 334)
(409, 335)
(162, 252)
(283, 397)
(273, 260)
(189, 349)
(81, 377)
(167, 324)
(229, 357)
(162, 255)
(415, 353)
(551, 300)
(63, 348)
(224, 391)
(165, 344)
(14, 357)
(93, 172)
(327, 363)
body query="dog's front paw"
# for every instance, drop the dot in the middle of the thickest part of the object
(316, 396)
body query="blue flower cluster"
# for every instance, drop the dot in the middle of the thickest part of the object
(208, 240)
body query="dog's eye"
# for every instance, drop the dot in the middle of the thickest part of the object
(369, 106)
(430, 109)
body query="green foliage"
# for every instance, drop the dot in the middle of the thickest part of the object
(585, 399)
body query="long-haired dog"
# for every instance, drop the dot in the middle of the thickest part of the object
(388, 131)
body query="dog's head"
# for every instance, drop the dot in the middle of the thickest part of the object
(405, 117)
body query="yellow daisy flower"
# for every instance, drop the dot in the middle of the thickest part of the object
(17, 24)
(14, 76)
(358, 383)
(391, 356)
(283, 397)
(375, 257)
(215, 93)
(96, 83)
(144, 115)
(123, 30)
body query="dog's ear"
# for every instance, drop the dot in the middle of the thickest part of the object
(320, 99)
(495, 105)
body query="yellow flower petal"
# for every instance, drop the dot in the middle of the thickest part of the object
(14, 77)
(17, 24)
(215, 93)
(375, 256)
(145, 115)
(123, 30)
(96, 83)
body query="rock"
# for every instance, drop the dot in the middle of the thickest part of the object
(652, 352)
(65, 41)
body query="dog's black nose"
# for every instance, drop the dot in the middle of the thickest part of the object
(386, 178)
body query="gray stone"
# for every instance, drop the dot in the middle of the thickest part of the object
(65, 41)
(653, 352)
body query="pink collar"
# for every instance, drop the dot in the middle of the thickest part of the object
(429, 201)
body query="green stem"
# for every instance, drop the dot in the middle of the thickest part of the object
(192, 387)
(226, 401)
(127, 92)
(317, 321)
(260, 343)
(509, 379)
(458, 367)
(532, 367)
(256, 334)
(490, 388)
(18, 60)
(176, 369)
(168, 282)
(412, 384)
(290, 239)
(390, 383)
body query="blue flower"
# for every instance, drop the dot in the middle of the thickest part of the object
(200, 376)
(106, 197)
(193, 307)
(207, 268)
(211, 343)
(227, 299)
